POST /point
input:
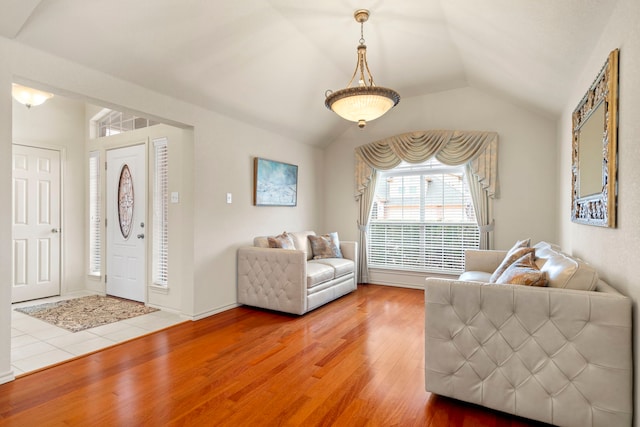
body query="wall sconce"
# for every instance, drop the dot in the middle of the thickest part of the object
(29, 96)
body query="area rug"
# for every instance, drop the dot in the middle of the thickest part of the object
(78, 314)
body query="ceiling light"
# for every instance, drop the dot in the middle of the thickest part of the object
(29, 96)
(366, 101)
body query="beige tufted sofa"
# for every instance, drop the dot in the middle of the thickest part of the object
(290, 280)
(554, 354)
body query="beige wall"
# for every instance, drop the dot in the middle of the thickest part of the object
(180, 269)
(5, 217)
(221, 162)
(612, 251)
(526, 163)
(59, 124)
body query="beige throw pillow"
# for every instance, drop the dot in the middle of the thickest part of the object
(281, 241)
(524, 272)
(325, 246)
(518, 250)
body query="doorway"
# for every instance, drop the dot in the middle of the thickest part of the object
(126, 204)
(36, 223)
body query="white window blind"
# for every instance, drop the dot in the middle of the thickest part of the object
(422, 219)
(161, 213)
(95, 224)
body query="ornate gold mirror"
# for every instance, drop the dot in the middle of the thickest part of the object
(594, 153)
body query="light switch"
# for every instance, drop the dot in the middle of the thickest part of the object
(229, 198)
(175, 197)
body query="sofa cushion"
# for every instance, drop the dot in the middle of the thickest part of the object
(565, 271)
(341, 266)
(518, 250)
(524, 271)
(301, 240)
(325, 246)
(318, 273)
(281, 241)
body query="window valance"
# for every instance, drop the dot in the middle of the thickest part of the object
(479, 150)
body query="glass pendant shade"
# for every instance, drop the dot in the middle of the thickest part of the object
(362, 104)
(29, 96)
(366, 101)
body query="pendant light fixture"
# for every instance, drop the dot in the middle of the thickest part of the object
(366, 101)
(29, 96)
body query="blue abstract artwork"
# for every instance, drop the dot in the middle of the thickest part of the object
(275, 183)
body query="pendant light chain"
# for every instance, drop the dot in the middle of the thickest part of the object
(364, 57)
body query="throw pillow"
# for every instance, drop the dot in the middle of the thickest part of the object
(524, 272)
(325, 246)
(518, 250)
(282, 241)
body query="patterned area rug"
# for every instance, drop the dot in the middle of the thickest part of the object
(83, 313)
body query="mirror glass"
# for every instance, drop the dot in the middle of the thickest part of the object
(590, 153)
(594, 150)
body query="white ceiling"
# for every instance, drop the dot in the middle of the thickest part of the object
(269, 62)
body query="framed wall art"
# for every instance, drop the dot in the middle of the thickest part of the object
(274, 183)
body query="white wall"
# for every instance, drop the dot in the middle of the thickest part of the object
(614, 252)
(59, 124)
(221, 162)
(526, 161)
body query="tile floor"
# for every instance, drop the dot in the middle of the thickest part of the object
(36, 344)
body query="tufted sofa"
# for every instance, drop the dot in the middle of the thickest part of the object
(292, 281)
(558, 354)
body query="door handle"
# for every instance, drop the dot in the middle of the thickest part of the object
(140, 236)
(55, 230)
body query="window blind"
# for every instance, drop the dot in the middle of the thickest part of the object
(95, 225)
(161, 213)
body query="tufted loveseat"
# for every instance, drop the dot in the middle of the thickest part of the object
(292, 281)
(558, 355)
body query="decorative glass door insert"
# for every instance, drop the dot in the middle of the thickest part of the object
(125, 201)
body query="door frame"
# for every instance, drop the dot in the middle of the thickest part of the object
(62, 151)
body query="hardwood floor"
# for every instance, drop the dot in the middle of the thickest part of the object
(354, 362)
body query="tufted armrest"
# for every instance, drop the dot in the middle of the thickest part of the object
(483, 260)
(555, 355)
(273, 279)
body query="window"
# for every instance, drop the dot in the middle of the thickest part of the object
(422, 219)
(95, 225)
(115, 122)
(161, 213)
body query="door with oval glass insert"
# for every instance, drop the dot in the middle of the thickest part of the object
(126, 222)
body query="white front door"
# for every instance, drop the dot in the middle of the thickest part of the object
(126, 202)
(36, 223)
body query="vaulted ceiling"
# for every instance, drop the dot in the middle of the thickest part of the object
(269, 62)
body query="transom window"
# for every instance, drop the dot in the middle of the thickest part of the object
(422, 219)
(115, 122)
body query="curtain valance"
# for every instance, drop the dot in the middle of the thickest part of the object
(479, 150)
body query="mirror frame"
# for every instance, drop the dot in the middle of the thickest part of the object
(598, 209)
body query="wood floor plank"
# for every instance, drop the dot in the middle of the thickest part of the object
(358, 361)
